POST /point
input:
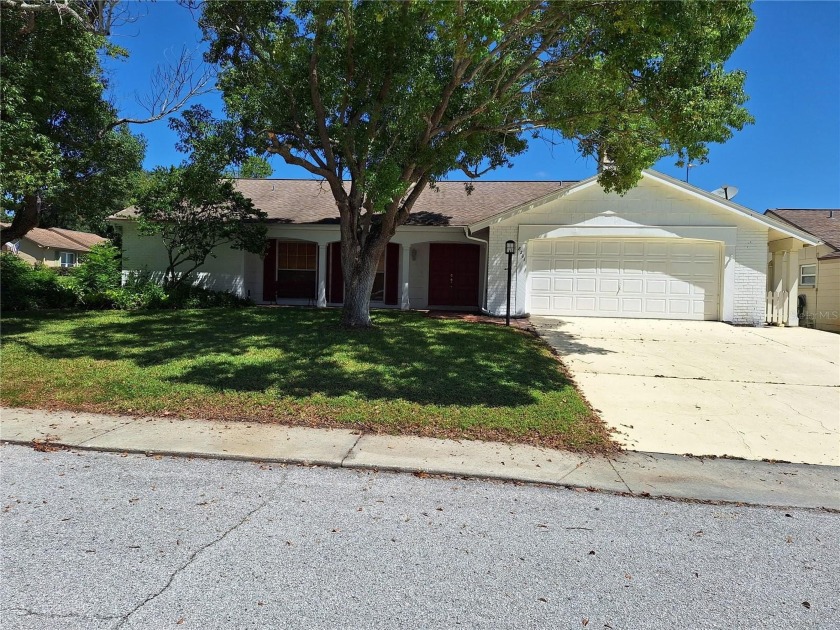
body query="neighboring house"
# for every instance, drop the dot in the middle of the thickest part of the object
(819, 265)
(53, 247)
(665, 250)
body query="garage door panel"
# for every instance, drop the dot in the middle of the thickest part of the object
(632, 268)
(632, 285)
(679, 287)
(564, 246)
(610, 248)
(625, 278)
(609, 285)
(541, 303)
(633, 248)
(656, 250)
(585, 285)
(587, 247)
(655, 306)
(563, 285)
(609, 305)
(612, 267)
(562, 264)
(631, 305)
(542, 248)
(563, 303)
(541, 283)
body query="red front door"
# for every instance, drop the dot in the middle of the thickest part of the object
(453, 274)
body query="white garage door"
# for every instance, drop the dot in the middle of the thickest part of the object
(664, 279)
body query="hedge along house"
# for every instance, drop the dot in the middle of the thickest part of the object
(664, 250)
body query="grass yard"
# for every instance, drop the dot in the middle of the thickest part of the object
(411, 374)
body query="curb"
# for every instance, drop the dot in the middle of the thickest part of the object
(646, 475)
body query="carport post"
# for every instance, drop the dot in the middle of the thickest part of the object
(510, 248)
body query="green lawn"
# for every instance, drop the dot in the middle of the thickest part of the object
(411, 374)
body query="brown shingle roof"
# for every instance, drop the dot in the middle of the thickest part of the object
(59, 238)
(310, 201)
(823, 223)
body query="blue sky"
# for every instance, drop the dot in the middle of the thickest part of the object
(790, 157)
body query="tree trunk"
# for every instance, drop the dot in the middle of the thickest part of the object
(359, 275)
(25, 219)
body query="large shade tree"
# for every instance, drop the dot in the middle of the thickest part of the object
(382, 99)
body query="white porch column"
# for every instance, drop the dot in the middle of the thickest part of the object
(792, 285)
(405, 261)
(322, 275)
(779, 272)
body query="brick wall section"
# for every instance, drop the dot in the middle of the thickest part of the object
(497, 269)
(750, 275)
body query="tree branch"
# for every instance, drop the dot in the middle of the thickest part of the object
(172, 87)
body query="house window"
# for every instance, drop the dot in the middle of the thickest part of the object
(296, 270)
(808, 276)
(67, 259)
(378, 292)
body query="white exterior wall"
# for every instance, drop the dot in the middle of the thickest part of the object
(223, 271)
(652, 209)
(242, 272)
(823, 301)
(497, 270)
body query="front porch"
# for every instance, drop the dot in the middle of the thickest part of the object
(783, 282)
(421, 269)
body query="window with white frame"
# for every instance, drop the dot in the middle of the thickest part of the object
(808, 276)
(67, 259)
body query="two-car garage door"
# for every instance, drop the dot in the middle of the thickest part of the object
(652, 278)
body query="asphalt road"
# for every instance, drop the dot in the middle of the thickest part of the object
(95, 540)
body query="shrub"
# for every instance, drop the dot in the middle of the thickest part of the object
(24, 287)
(100, 270)
(198, 297)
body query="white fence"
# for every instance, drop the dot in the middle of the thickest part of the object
(777, 307)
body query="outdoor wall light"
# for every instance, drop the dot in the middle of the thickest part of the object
(510, 250)
(413, 254)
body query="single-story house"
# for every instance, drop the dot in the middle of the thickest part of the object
(664, 250)
(53, 247)
(819, 265)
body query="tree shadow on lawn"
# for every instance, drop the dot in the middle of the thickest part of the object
(301, 352)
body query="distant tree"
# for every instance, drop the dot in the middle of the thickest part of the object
(392, 96)
(252, 167)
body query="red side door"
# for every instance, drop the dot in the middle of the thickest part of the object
(454, 274)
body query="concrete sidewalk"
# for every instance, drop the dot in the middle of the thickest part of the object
(644, 474)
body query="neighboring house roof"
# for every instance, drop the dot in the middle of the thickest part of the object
(309, 201)
(822, 223)
(59, 238)
(780, 226)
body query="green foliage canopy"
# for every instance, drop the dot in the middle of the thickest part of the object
(59, 140)
(193, 207)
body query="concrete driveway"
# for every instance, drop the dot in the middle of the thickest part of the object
(707, 388)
